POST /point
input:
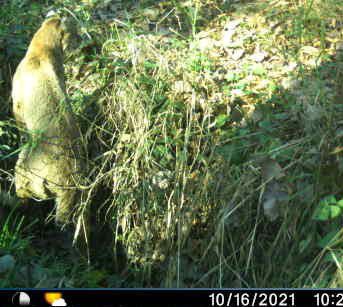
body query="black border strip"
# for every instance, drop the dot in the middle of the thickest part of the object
(180, 297)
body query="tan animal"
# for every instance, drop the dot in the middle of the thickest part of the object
(50, 165)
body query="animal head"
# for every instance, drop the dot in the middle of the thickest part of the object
(58, 32)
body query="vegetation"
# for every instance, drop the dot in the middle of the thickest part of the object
(213, 131)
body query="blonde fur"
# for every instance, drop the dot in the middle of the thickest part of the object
(51, 167)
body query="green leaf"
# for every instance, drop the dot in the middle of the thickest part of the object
(150, 65)
(4, 147)
(328, 209)
(231, 152)
(221, 120)
(304, 244)
(328, 200)
(335, 211)
(327, 240)
(281, 116)
(230, 76)
(321, 213)
(326, 212)
(266, 124)
(258, 70)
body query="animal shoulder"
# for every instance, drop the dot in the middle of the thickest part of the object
(39, 78)
(55, 37)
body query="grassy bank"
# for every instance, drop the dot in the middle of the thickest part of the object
(213, 133)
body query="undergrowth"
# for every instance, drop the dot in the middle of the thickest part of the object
(213, 133)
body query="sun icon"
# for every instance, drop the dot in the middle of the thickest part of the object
(54, 299)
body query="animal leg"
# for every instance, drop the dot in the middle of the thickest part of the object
(65, 202)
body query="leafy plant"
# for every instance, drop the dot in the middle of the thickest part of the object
(328, 208)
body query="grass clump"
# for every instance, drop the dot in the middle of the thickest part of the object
(213, 142)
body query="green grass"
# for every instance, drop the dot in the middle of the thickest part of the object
(181, 141)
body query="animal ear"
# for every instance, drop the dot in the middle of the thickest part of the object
(51, 14)
(54, 13)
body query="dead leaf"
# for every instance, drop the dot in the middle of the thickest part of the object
(237, 92)
(270, 210)
(314, 112)
(271, 170)
(151, 13)
(237, 54)
(309, 50)
(275, 192)
(259, 56)
(228, 32)
(290, 83)
(180, 87)
(205, 44)
(273, 197)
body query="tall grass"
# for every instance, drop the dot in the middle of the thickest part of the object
(178, 137)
